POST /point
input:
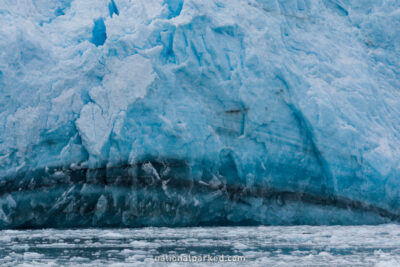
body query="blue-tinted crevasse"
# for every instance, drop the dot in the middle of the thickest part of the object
(112, 7)
(99, 34)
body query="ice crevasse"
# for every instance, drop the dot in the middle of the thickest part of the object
(188, 112)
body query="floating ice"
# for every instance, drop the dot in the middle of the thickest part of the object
(258, 246)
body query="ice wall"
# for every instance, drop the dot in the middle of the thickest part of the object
(199, 112)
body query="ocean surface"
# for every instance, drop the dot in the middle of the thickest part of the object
(204, 246)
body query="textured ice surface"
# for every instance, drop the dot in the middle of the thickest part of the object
(179, 112)
(261, 246)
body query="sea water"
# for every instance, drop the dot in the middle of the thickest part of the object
(204, 246)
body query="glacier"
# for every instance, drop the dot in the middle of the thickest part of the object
(187, 113)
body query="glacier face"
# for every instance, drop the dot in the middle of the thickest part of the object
(184, 112)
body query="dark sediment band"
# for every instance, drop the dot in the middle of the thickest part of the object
(163, 186)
